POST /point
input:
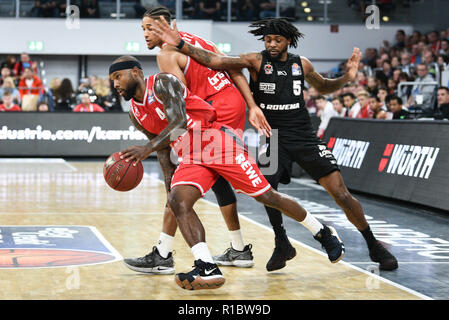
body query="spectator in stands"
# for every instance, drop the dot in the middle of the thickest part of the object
(287, 8)
(9, 62)
(310, 102)
(405, 91)
(406, 65)
(443, 101)
(430, 61)
(382, 94)
(5, 73)
(371, 85)
(25, 62)
(395, 63)
(141, 6)
(370, 57)
(45, 8)
(43, 107)
(101, 91)
(87, 106)
(209, 9)
(8, 85)
(392, 86)
(267, 9)
(349, 101)
(395, 107)
(89, 9)
(363, 100)
(416, 53)
(414, 39)
(444, 47)
(337, 103)
(112, 100)
(189, 9)
(422, 93)
(326, 112)
(434, 40)
(64, 96)
(376, 109)
(247, 10)
(8, 104)
(443, 62)
(361, 79)
(29, 84)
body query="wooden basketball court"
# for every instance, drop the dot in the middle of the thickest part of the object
(52, 192)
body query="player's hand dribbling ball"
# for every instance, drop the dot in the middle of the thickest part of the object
(121, 175)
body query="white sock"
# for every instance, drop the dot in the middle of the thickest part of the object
(201, 252)
(165, 244)
(311, 223)
(237, 240)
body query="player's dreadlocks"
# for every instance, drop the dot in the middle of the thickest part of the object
(278, 26)
(155, 12)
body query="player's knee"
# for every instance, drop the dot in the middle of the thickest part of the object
(343, 197)
(270, 198)
(177, 204)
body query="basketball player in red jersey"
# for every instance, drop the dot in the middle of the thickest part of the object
(216, 88)
(171, 116)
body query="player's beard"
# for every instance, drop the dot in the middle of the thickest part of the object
(130, 92)
(279, 55)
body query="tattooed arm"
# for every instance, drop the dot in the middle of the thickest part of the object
(324, 85)
(163, 155)
(207, 58)
(170, 91)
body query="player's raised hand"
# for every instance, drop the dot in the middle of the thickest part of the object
(258, 121)
(136, 153)
(167, 34)
(352, 65)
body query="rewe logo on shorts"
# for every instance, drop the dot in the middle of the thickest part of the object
(408, 160)
(349, 153)
(248, 169)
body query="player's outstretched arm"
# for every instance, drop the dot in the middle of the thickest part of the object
(210, 59)
(325, 85)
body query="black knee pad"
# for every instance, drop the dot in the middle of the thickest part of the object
(223, 192)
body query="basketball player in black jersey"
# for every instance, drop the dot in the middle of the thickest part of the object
(277, 79)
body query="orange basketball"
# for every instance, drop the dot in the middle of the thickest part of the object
(121, 175)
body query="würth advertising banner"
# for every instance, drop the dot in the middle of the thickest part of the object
(406, 160)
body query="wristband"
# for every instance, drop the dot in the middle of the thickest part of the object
(181, 44)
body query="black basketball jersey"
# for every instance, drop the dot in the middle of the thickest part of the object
(278, 92)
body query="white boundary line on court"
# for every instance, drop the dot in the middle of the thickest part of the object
(38, 160)
(394, 284)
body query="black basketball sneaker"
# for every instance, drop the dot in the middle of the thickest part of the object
(283, 251)
(205, 275)
(330, 241)
(378, 253)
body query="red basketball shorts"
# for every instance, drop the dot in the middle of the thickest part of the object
(230, 107)
(222, 153)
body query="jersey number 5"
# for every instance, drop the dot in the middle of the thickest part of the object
(297, 87)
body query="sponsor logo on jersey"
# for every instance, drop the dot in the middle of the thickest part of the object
(290, 106)
(268, 88)
(248, 169)
(408, 160)
(282, 73)
(296, 70)
(348, 153)
(53, 246)
(268, 68)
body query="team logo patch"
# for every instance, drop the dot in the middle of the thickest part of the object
(296, 70)
(53, 246)
(150, 97)
(268, 68)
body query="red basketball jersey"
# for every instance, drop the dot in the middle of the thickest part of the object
(196, 74)
(150, 114)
